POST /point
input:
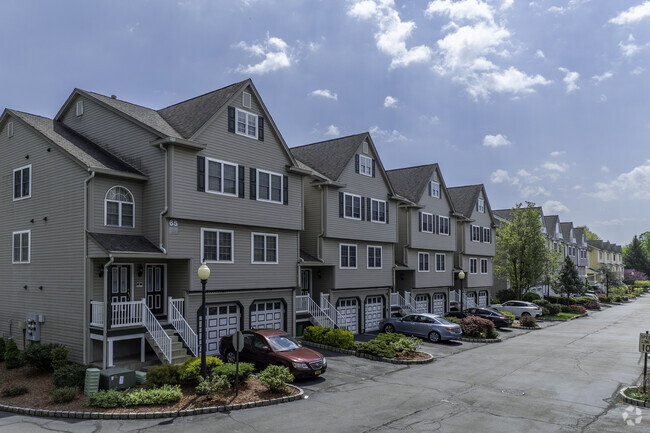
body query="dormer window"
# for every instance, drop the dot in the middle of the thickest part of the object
(365, 165)
(10, 129)
(80, 108)
(364, 147)
(119, 208)
(246, 123)
(481, 205)
(246, 99)
(434, 189)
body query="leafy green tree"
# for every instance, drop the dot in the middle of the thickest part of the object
(521, 249)
(591, 236)
(569, 281)
(644, 240)
(609, 276)
(636, 257)
(552, 263)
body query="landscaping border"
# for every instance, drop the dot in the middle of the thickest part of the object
(369, 356)
(632, 401)
(151, 415)
(534, 328)
(481, 340)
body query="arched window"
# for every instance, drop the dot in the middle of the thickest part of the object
(119, 208)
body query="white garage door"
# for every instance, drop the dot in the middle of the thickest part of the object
(221, 320)
(269, 314)
(482, 298)
(422, 303)
(439, 303)
(374, 312)
(471, 300)
(349, 310)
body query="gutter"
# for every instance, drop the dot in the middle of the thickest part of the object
(106, 315)
(164, 211)
(189, 144)
(85, 284)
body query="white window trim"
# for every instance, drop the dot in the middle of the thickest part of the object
(232, 245)
(277, 248)
(478, 228)
(29, 247)
(119, 216)
(475, 261)
(374, 200)
(246, 114)
(481, 205)
(13, 182)
(364, 147)
(257, 187)
(10, 129)
(486, 266)
(489, 231)
(207, 177)
(244, 96)
(381, 251)
(368, 164)
(434, 192)
(428, 262)
(79, 108)
(424, 215)
(345, 194)
(444, 263)
(448, 233)
(356, 256)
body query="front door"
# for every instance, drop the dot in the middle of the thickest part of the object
(305, 282)
(119, 283)
(155, 286)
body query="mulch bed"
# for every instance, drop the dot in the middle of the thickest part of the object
(39, 385)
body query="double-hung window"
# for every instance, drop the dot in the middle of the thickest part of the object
(222, 177)
(269, 186)
(487, 235)
(23, 182)
(365, 165)
(246, 123)
(21, 247)
(434, 189)
(440, 263)
(374, 257)
(217, 245)
(351, 206)
(119, 208)
(481, 205)
(423, 262)
(443, 225)
(473, 266)
(426, 222)
(484, 266)
(377, 211)
(265, 248)
(347, 256)
(476, 234)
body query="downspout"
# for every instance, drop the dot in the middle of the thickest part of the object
(106, 315)
(322, 223)
(164, 211)
(85, 284)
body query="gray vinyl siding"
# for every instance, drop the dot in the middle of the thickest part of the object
(432, 278)
(361, 276)
(313, 214)
(241, 274)
(129, 142)
(403, 238)
(57, 253)
(481, 220)
(99, 186)
(478, 279)
(435, 206)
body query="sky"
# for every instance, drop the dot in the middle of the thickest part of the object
(545, 101)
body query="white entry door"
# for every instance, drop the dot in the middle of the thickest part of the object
(349, 309)
(221, 320)
(439, 303)
(421, 303)
(269, 314)
(374, 312)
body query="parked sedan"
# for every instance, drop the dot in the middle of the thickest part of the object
(425, 325)
(519, 308)
(499, 320)
(264, 347)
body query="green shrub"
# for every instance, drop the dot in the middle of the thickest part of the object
(377, 348)
(275, 377)
(165, 374)
(546, 311)
(474, 326)
(112, 398)
(3, 347)
(190, 371)
(12, 355)
(214, 385)
(493, 334)
(105, 398)
(543, 302)
(59, 357)
(14, 391)
(505, 295)
(39, 356)
(315, 333)
(577, 309)
(592, 305)
(554, 309)
(561, 300)
(389, 345)
(339, 338)
(70, 376)
(565, 309)
(531, 297)
(452, 319)
(642, 283)
(63, 395)
(528, 321)
(228, 370)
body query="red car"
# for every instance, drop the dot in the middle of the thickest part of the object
(264, 347)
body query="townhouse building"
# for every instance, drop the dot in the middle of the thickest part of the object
(603, 253)
(581, 251)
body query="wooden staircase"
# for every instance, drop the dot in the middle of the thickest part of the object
(179, 351)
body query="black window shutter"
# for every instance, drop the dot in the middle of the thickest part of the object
(341, 204)
(200, 173)
(481, 234)
(436, 221)
(356, 163)
(369, 209)
(387, 208)
(363, 208)
(373, 168)
(260, 128)
(241, 181)
(231, 119)
(420, 221)
(285, 190)
(253, 181)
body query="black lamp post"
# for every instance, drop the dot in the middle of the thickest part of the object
(204, 274)
(461, 277)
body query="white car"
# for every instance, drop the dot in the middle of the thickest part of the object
(519, 308)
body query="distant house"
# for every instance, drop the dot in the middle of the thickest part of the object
(603, 253)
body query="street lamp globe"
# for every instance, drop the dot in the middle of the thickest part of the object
(204, 272)
(461, 275)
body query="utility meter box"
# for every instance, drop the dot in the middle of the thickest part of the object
(116, 378)
(33, 326)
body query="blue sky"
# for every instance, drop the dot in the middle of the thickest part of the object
(545, 100)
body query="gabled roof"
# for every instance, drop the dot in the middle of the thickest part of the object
(80, 149)
(566, 230)
(579, 232)
(411, 182)
(551, 222)
(465, 198)
(505, 214)
(331, 156)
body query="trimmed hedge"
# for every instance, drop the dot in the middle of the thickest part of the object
(59, 357)
(140, 397)
(39, 356)
(531, 297)
(190, 371)
(63, 395)
(476, 327)
(245, 371)
(165, 374)
(14, 391)
(70, 376)
(12, 355)
(332, 337)
(389, 345)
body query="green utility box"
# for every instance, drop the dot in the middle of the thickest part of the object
(140, 377)
(116, 378)
(91, 384)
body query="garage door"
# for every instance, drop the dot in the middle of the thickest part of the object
(422, 303)
(374, 312)
(349, 309)
(268, 314)
(482, 298)
(439, 303)
(471, 300)
(221, 320)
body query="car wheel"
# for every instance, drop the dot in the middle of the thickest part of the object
(231, 357)
(525, 314)
(434, 337)
(389, 328)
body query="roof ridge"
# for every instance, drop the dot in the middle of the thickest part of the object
(117, 99)
(330, 140)
(203, 94)
(413, 167)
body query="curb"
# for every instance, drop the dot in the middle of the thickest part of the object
(481, 340)
(369, 356)
(149, 415)
(632, 401)
(531, 328)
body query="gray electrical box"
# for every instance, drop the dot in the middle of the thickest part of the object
(116, 378)
(33, 326)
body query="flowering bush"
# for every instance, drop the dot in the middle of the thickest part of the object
(474, 326)
(577, 309)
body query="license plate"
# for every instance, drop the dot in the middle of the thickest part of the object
(317, 372)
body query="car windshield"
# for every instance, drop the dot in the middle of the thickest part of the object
(283, 343)
(443, 321)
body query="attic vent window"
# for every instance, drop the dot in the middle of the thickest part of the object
(10, 129)
(365, 147)
(80, 108)
(246, 100)
(434, 189)
(481, 205)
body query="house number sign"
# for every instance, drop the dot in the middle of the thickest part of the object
(173, 227)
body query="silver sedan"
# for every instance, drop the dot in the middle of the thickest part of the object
(425, 325)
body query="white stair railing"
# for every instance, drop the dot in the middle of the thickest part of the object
(157, 332)
(334, 313)
(397, 300)
(316, 312)
(128, 313)
(96, 313)
(181, 326)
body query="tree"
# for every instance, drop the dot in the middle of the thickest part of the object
(591, 236)
(609, 276)
(644, 240)
(635, 256)
(569, 282)
(632, 275)
(552, 263)
(521, 249)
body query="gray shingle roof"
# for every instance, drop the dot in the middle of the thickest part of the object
(329, 157)
(503, 213)
(464, 198)
(411, 182)
(124, 243)
(187, 117)
(551, 221)
(566, 230)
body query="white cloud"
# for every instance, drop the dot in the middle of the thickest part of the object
(461, 10)
(509, 81)
(496, 140)
(333, 131)
(325, 93)
(540, 54)
(393, 32)
(604, 169)
(275, 52)
(603, 77)
(389, 101)
(631, 47)
(500, 176)
(634, 184)
(553, 207)
(637, 71)
(557, 9)
(434, 120)
(557, 153)
(603, 98)
(633, 14)
(577, 187)
(534, 191)
(507, 4)
(527, 176)
(559, 167)
(571, 5)
(388, 136)
(570, 78)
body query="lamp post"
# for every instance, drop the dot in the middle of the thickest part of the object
(461, 277)
(204, 274)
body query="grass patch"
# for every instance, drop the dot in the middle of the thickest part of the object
(561, 316)
(636, 392)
